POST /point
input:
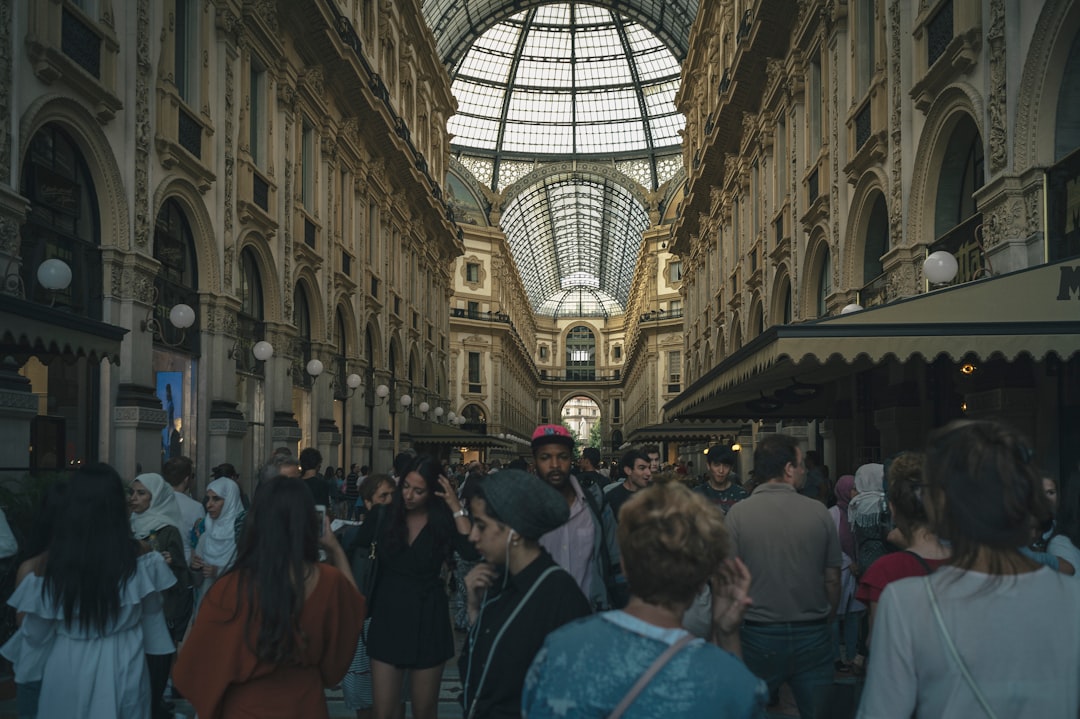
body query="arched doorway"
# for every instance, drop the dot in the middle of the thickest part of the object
(581, 415)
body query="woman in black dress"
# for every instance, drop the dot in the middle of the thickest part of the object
(410, 614)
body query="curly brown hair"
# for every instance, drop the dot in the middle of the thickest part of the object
(672, 541)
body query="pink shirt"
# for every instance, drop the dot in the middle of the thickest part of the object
(571, 545)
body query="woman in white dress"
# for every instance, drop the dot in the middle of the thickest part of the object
(93, 610)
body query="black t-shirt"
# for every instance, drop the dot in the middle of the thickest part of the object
(320, 488)
(616, 497)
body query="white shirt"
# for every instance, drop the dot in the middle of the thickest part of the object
(1018, 635)
(191, 512)
(1061, 547)
(571, 545)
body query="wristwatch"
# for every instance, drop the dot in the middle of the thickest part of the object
(461, 513)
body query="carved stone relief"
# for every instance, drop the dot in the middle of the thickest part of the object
(5, 85)
(142, 124)
(998, 91)
(896, 188)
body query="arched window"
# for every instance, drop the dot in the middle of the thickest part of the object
(580, 354)
(475, 419)
(877, 239)
(787, 302)
(250, 322)
(824, 286)
(177, 280)
(62, 222)
(302, 348)
(956, 215)
(1067, 119)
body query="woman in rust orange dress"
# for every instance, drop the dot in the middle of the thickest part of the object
(279, 626)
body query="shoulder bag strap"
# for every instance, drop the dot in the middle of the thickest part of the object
(925, 565)
(644, 679)
(955, 654)
(474, 632)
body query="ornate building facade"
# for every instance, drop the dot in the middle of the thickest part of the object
(275, 166)
(829, 151)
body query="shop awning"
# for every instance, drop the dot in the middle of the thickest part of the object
(684, 431)
(33, 329)
(422, 432)
(1033, 312)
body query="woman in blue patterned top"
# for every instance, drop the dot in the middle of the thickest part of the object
(672, 541)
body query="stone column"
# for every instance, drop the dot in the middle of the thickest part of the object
(227, 429)
(137, 420)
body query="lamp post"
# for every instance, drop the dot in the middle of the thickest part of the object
(344, 393)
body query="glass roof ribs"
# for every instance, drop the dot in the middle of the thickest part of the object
(457, 24)
(575, 240)
(567, 79)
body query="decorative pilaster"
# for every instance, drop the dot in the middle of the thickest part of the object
(138, 420)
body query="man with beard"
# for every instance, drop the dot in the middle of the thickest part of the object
(585, 546)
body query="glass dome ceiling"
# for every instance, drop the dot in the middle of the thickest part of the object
(567, 79)
(562, 81)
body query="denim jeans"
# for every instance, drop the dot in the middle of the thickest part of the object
(801, 655)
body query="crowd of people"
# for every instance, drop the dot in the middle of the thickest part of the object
(944, 575)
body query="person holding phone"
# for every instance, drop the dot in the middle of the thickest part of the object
(517, 595)
(410, 612)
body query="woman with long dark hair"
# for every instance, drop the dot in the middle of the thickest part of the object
(92, 609)
(992, 632)
(414, 537)
(278, 627)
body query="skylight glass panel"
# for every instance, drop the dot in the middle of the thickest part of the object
(538, 139)
(591, 15)
(581, 279)
(656, 65)
(604, 73)
(659, 99)
(557, 14)
(641, 39)
(607, 106)
(475, 98)
(540, 107)
(541, 73)
(599, 42)
(665, 130)
(485, 66)
(548, 42)
(501, 38)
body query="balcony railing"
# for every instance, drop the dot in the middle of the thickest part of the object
(488, 316)
(658, 315)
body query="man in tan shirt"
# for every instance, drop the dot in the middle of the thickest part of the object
(791, 547)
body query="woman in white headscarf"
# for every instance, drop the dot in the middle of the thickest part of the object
(216, 549)
(156, 523)
(868, 516)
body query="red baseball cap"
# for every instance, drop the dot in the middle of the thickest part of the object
(551, 434)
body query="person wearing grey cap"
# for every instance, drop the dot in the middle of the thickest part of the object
(517, 595)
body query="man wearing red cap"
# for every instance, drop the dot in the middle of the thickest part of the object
(585, 546)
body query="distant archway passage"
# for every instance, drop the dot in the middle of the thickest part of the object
(581, 415)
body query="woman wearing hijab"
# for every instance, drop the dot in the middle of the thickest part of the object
(850, 611)
(156, 523)
(868, 516)
(991, 633)
(216, 548)
(517, 595)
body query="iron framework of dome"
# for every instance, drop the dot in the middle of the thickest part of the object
(558, 82)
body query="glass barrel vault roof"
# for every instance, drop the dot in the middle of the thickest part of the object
(575, 240)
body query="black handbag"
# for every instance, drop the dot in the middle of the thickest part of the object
(365, 565)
